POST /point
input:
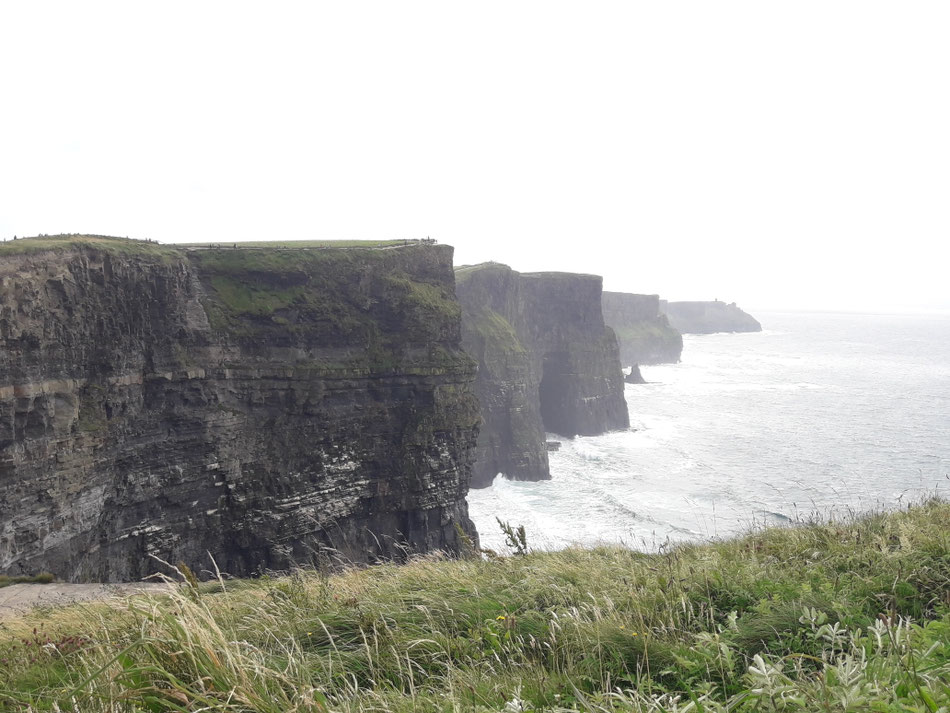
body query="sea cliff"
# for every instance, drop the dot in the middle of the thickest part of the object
(708, 317)
(547, 362)
(643, 332)
(263, 407)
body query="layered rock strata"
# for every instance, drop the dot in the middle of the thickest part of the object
(263, 407)
(547, 362)
(643, 332)
(708, 317)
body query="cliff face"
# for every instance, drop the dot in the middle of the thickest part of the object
(708, 317)
(258, 405)
(643, 332)
(546, 362)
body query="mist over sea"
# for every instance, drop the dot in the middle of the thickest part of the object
(826, 413)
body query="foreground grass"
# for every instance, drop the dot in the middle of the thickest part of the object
(832, 617)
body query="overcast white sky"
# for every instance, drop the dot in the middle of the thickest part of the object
(780, 154)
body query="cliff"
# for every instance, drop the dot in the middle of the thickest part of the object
(708, 317)
(259, 405)
(546, 362)
(643, 332)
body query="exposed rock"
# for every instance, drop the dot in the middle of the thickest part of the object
(551, 446)
(708, 317)
(546, 362)
(258, 405)
(644, 334)
(635, 377)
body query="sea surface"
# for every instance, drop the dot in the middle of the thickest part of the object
(819, 414)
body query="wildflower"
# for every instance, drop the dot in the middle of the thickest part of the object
(499, 618)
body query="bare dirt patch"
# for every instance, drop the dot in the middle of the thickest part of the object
(20, 598)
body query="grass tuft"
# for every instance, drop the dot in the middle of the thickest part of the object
(41, 578)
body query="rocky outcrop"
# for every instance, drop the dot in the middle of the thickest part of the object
(264, 407)
(546, 362)
(644, 333)
(634, 377)
(708, 317)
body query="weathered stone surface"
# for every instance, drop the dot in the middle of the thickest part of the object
(546, 362)
(708, 317)
(260, 406)
(644, 333)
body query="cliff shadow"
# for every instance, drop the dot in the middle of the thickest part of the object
(554, 394)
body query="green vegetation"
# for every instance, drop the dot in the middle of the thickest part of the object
(494, 330)
(132, 246)
(373, 303)
(118, 246)
(253, 298)
(92, 410)
(422, 302)
(846, 616)
(41, 578)
(302, 244)
(465, 272)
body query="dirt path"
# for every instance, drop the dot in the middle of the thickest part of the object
(19, 598)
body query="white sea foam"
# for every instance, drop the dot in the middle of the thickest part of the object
(820, 413)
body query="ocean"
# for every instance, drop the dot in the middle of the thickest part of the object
(818, 414)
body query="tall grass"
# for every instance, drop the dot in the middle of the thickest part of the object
(833, 616)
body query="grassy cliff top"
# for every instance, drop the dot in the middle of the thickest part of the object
(132, 246)
(303, 244)
(464, 271)
(126, 246)
(560, 275)
(636, 296)
(832, 616)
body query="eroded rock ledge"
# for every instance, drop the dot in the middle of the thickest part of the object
(546, 362)
(643, 332)
(257, 405)
(708, 317)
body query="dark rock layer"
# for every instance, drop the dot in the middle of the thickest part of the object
(257, 406)
(643, 332)
(708, 317)
(546, 362)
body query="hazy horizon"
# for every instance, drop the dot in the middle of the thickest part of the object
(778, 156)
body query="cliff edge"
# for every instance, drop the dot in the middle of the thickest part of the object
(708, 317)
(546, 361)
(643, 332)
(264, 406)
